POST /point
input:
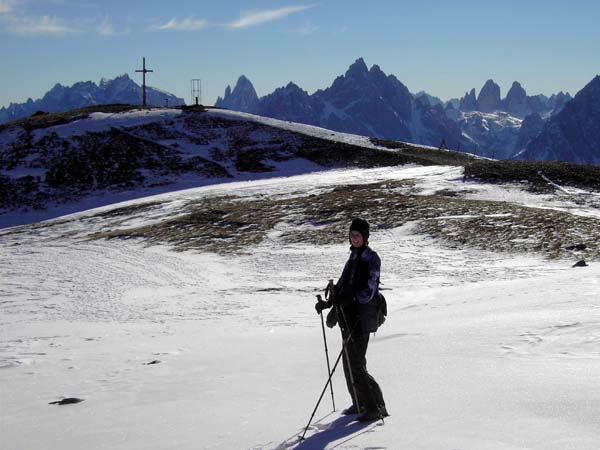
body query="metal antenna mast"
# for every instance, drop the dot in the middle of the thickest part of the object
(144, 71)
(196, 91)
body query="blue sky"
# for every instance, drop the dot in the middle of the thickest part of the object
(442, 47)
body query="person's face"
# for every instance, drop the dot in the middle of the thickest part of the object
(356, 238)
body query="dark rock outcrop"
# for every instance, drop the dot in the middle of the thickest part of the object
(67, 401)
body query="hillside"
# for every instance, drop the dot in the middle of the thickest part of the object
(61, 162)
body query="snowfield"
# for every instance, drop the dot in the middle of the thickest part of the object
(196, 350)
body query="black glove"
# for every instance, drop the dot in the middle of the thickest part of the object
(343, 296)
(332, 318)
(321, 305)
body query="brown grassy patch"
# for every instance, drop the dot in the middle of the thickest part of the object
(585, 176)
(231, 224)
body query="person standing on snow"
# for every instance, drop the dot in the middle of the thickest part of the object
(357, 310)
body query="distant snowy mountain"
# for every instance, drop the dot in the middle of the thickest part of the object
(516, 103)
(368, 102)
(574, 133)
(492, 134)
(121, 89)
(362, 101)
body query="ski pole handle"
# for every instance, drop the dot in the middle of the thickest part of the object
(329, 289)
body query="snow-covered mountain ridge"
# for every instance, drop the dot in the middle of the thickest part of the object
(57, 160)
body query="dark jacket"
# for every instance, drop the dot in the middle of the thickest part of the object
(360, 277)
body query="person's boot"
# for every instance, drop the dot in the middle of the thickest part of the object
(371, 415)
(383, 411)
(352, 410)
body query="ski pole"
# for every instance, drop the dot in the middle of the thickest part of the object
(337, 361)
(326, 354)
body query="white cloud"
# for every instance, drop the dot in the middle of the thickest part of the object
(106, 29)
(307, 28)
(7, 6)
(254, 18)
(188, 24)
(36, 25)
(340, 30)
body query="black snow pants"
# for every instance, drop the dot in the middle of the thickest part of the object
(367, 390)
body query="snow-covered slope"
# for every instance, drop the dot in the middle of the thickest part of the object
(55, 165)
(482, 349)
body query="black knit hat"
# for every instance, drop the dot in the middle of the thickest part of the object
(362, 226)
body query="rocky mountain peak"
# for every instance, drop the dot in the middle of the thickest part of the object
(291, 86)
(516, 100)
(358, 70)
(558, 101)
(242, 98)
(489, 97)
(243, 83)
(57, 88)
(376, 70)
(469, 101)
(516, 90)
